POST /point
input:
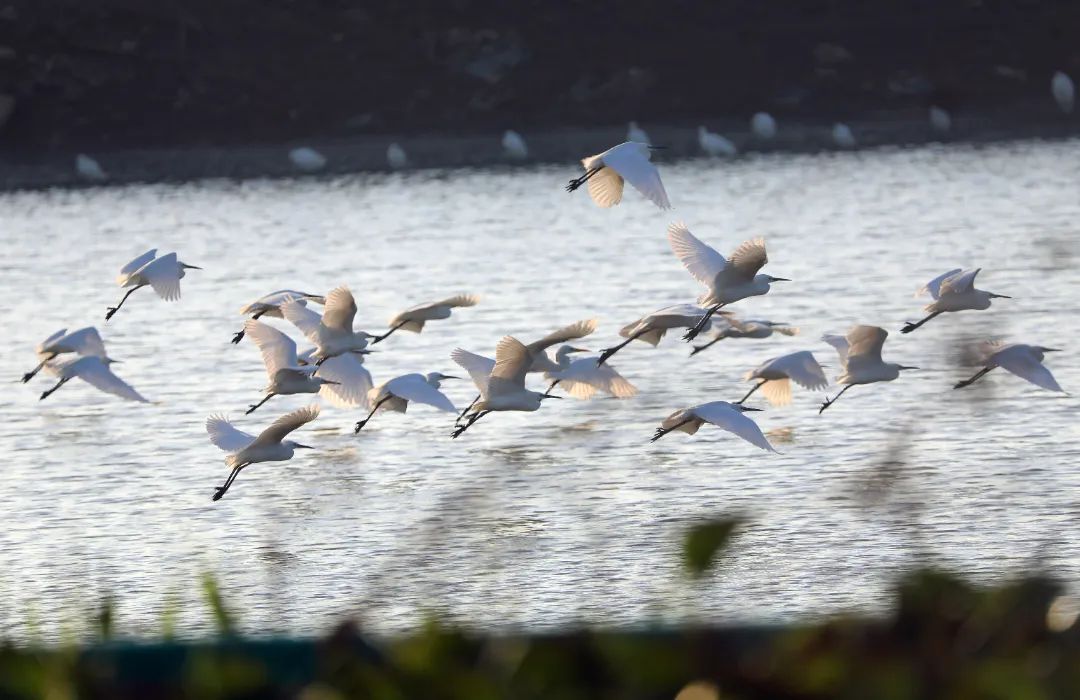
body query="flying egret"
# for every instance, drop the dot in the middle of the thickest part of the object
(636, 133)
(842, 136)
(270, 306)
(714, 144)
(953, 291)
(245, 449)
(348, 380)
(860, 357)
(1025, 361)
(652, 328)
(307, 159)
(514, 146)
(84, 341)
(1063, 90)
(940, 120)
(502, 388)
(283, 368)
(583, 377)
(628, 161)
(162, 274)
(763, 125)
(723, 415)
(727, 280)
(728, 326)
(414, 318)
(776, 375)
(332, 333)
(396, 394)
(89, 169)
(94, 371)
(395, 157)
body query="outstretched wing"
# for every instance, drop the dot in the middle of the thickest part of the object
(700, 260)
(135, 265)
(1023, 364)
(413, 388)
(606, 186)
(722, 415)
(306, 320)
(746, 261)
(40, 349)
(866, 341)
(278, 350)
(563, 335)
(478, 367)
(163, 274)
(512, 360)
(340, 310)
(840, 344)
(286, 424)
(959, 283)
(635, 168)
(86, 341)
(933, 287)
(225, 436)
(98, 375)
(353, 381)
(583, 378)
(803, 368)
(460, 300)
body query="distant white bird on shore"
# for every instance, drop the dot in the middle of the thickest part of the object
(714, 144)
(728, 326)
(94, 371)
(245, 449)
(332, 333)
(270, 306)
(89, 169)
(763, 125)
(940, 120)
(396, 157)
(1025, 361)
(860, 357)
(636, 133)
(396, 394)
(1064, 92)
(842, 136)
(953, 291)
(414, 318)
(84, 341)
(723, 415)
(727, 280)
(628, 161)
(583, 377)
(283, 368)
(652, 328)
(307, 159)
(514, 146)
(162, 274)
(776, 375)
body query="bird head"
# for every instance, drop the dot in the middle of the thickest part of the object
(433, 378)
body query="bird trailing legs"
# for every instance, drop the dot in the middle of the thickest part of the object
(458, 430)
(220, 491)
(909, 326)
(661, 432)
(829, 402)
(45, 394)
(752, 390)
(706, 346)
(252, 407)
(387, 334)
(547, 392)
(693, 332)
(240, 333)
(360, 424)
(113, 309)
(578, 182)
(608, 352)
(968, 382)
(30, 375)
(467, 408)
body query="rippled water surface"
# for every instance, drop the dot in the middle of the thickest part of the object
(569, 514)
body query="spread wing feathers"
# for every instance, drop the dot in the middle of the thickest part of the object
(986, 349)
(803, 368)
(460, 301)
(163, 274)
(959, 283)
(305, 320)
(98, 375)
(278, 350)
(353, 381)
(747, 259)
(583, 378)
(777, 392)
(340, 310)
(933, 287)
(414, 388)
(226, 437)
(286, 424)
(683, 421)
(512, 360)
(653, 337)
(280, 297)
(700, 260)
(636, 169)
(563, 335)
(1027, 367)
(840, 344)
(40, 349)
(866, 341)
(134, 265)
(722, 415)
(86, 341)
(478, 367)
(606, 187)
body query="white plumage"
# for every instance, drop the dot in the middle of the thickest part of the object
(414, 318)
(652, 328)
(514, 145)
(307, 159)
(1025, 361)
(715, 145)
(162, 274)
(94, 371)
(860, 358)
(775, 376)
(1063, 90)
(332, 333)
(396, 395)
(763, 125)
(724, 415)
(953, 291)
(396, 157)
(629, 162)
(84, 341)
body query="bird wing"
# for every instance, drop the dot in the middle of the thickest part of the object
(353, 381)
(959, 283)
(1024, 365)
(866, 341)
(278, 350)
(605, 187)
(305, 320)
(135, 265)
(563, 335)
(700, 260)
(722, 415)
(414, 388)
(45, 343)
(745, 262)
(512, 360)
(933, 287)
(777, 391)
(99, 376)
(163, 274)
(840, 344)
(86, 341)
(340, 310)
(636, 169)
(803, 368)
(286, 424)
(478, 367)
(984, 350)
(460, 300)
(225, 436)
(583, 377)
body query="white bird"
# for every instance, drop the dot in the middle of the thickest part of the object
(349, 381)
(84, 341)
(727, 280)
(245, 449)
(628, 161)
(714, 144)
(763, 125)
(162, 274)
(860, 357)
(332, 333)
(728, 326)
(89, 168)
(514, 146)
(842, 136)
(414, 318)
(307, 159)
(270, 306)
(94, 371)
(1063, 90)
(1025, 361)
(776, 375)
(636, 133)
(723, 415)
(283, 367)
(940, 120)
(652, 328)
(953, 291)
(583, 377)
(395, 157)
(396, 394)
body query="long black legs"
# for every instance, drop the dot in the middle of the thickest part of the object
(113, 309)
(387, 334)
(228, 482)
(30, 375)
(468, 408)
(240, 333)
(360, 424)
(252, 407)
(45, 394)
(552, 386)
(977, 377)
(693, 332)
(472, 419)
(909, 326)
(829, 402)
(752, 390)
(706, 346)
(661, 432)
(579, 181)
(608, 352)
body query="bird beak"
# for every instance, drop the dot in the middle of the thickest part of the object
(658, 148)
(448, 376)
(189, 267)
(779, 279)
(363, 352)
(303, 447)
(549, 396)
(1051, 350)
(906, 367)
(750, 408)
(999, 296)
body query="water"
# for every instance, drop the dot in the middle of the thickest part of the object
(568, 515)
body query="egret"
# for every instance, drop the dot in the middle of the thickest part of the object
(348, 380)
(628, 161)
(414, 318)
(652, 328)
(860, 357)
(270, 306)
(89, 169)
(636, 133)
(722, 414)
(940, 120)
(842, 136)
(514, 146)
(953, 291)
(245, 449)
(1063, 90)
(162, 274)
(84, 341)
(714, 144)
(307, 159)
(1025, 361)
(776, 375)
(583, 377)
(395, 157)
(94, 371)
(396, 395)
(728, 326)
(763, 125)
(332, 333)
(283, 368)
(502, 388)
(727, 280)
